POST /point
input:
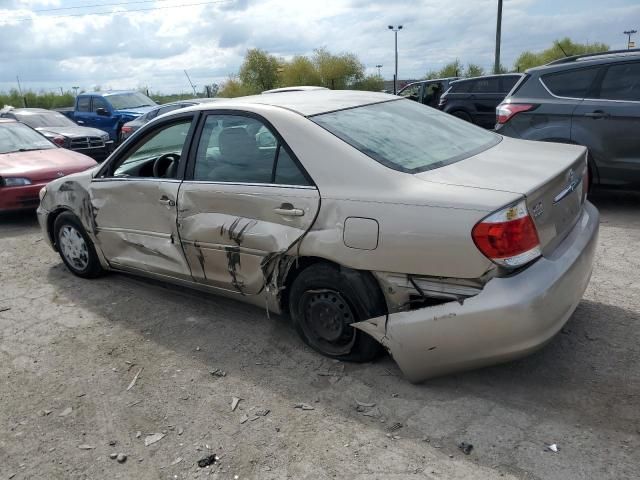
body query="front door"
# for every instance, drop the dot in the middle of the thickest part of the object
(134, 201)
(610, 125)
(245, 198)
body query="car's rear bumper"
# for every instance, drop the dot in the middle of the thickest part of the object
(510, 318)
(20, 198)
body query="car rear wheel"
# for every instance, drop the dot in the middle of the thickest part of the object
(325, 300)
(75, 247)
(462, 115)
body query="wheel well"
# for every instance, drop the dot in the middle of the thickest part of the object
(302, 263)
(51, 220)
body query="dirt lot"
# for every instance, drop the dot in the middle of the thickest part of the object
(69, 350)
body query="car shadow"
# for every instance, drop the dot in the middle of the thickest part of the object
(14, 224)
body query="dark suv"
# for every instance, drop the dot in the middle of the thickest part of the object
(427, 92)
(475, 99)
(591, 100)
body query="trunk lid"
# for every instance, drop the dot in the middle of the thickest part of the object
(41, 166)
(549, 175)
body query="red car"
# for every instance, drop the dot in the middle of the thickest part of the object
(28, 161)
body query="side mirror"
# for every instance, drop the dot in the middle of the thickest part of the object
(102, 112)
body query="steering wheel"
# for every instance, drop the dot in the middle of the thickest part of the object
(164, 163)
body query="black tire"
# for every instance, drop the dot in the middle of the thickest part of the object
(462, 116)
(325, 299)
(83, 262)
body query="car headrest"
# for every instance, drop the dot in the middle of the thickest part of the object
(236, 144)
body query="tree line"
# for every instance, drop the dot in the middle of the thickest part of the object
(262, 71)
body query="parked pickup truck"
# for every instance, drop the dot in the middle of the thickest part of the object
(108, 111)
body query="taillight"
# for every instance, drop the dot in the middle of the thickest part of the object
(506, 111)
(508, 237)
(59, 141)
(126, 129)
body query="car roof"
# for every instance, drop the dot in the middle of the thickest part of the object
(577, 61)
(299, 88)
(307, 103)
(497, 75)
(32, 110)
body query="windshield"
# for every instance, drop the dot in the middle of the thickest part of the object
(406, 136)
(37, 120)
(15, 137)
(122, 101)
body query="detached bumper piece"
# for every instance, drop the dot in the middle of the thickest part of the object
(510, 318)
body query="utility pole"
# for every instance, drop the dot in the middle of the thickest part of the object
(395, 30)
(628, 33)
(75, 91)
(496, 63)
(191, 83)
(61, 91)
(379, 66)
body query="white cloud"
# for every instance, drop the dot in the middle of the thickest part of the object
(153, 47)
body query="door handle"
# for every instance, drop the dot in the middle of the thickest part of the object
(288, 210)
(167, 201)
(597, 114)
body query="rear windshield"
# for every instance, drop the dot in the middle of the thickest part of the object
(121, 101)
(406, 136)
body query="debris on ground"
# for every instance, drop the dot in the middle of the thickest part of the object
(553, 448)
(180, 430)
(243, 419)
(153, 438)
(217, 372)
(303, 406)
(394, 395)
(234, 403)
(4, 309)
(262, 413)
(138, 434)
(197, 349)
(395, 426)
(465, 447)
(135, 379)
(84, 446)
(208, 460)
(113, 456)
(65, 412)
(365, 404)
(112, 443)
(176, 461)
(121, 458)
(44, 413)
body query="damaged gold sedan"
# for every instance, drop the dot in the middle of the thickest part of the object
(371, 220)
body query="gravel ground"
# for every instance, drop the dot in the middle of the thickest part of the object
(70, 349)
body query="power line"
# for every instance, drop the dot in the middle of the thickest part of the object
(42, 10)
(26, 19)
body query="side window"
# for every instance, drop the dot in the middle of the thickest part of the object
(508, 83)
(572, 83)
(84, 104)
(621, 82)
(167, 141)
(461, 87)
(99, 102)
(412, 92)
(486, 85)
(234, 148)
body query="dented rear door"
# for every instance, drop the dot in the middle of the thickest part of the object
(245, 197)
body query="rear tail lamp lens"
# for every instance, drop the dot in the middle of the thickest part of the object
(508, 237)
(506, 111)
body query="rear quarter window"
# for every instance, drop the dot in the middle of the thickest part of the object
(572, 83)
(486, 85)
(621, 82)
(460, 87)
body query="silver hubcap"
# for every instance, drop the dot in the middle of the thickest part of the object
(74, 248)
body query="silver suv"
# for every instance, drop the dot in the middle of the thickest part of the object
(591, 100)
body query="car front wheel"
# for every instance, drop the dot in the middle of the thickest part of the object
(75, 247)
(324, 302)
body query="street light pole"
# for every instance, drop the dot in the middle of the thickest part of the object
(379, 66)
(496, 64)
(395, 30)
(628, 33)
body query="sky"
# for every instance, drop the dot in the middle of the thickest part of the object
(119, 44)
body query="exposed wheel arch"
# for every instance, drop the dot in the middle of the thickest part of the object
(51, 220)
